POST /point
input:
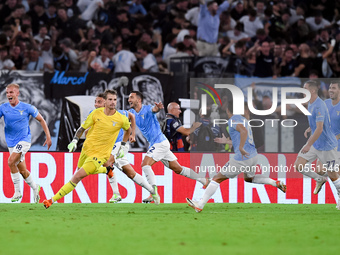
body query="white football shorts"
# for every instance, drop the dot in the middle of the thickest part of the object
(21, 147)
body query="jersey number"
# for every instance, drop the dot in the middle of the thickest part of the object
(152, 149)
(18, 147)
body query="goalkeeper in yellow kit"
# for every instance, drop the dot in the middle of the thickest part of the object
(105, 124)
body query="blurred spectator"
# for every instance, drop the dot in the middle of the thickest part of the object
(264, 61)
(236, 34)
(192, 15)
(173, 128)
(43, 31)
(38, 16)
(208, 24)
(251, 23)
(170, 46)
(288, 63)
(124, 60)
(5, 61)
(227, 23)
(72, 9)
(154, 40)
(60, 60)
(6, 11)
(317, 22)
(238, 62)
(304, 63)
(34, 62)
(181, 51)
(67, 46)
(149, 63)
(136, 8)
(47, 55)
(238, 11)
(68, 27)
(279, 25)
(298, 13)
(260, 8)
(190, 45)
(17, 57)
(102, 63)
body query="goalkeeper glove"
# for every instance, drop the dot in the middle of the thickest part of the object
(72, 145)
(123, 150)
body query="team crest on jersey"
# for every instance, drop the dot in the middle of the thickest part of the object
(337, 113)
(114, 123)
(142, 116)
(21, 112)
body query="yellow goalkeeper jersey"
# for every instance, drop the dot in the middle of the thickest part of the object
(103, 132)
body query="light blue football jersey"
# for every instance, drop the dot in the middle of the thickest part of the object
(121, 132)
(148, 124)
(235, 136)
(334, 114)
(17, 122)
(319, 111)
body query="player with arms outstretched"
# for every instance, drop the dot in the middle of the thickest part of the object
(245, 160)
(18, 138)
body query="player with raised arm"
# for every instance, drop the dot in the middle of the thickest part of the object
(322, 144)
(159, 147)
(105, 125)
(245, 160)
(18, 138)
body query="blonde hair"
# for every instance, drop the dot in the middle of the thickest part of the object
(13, 85)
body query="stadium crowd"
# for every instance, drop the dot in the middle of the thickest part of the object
(262, 38)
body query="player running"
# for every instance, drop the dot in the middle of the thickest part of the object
(322, 144)
(245, 160)
(105, 125)
(18, 138)
(159, 147)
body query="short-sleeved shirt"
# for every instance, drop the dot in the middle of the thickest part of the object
(174, 137)
(319, 111)
(103, 133)
(264, 65)
(17, 122)
(148, 124)
(121, 132)
(235, 136)
(334, 114)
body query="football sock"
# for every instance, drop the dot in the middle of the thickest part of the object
(149, 174)
(261, 179)
(209, 192)
(187, 172)
(67, 188)
(337, 185)
(142, 182)
(16, 182)
(114, 184)
(30, 182)
(310, 173)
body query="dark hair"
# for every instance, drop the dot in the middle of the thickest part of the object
(144, 46)
(312, 84)
(109, 91)
(138, 94)
(100, 95)
(336, 82)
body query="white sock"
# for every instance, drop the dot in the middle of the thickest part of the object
(209, 192)
(114, 184)
(337, 185)
(310, 173)
(30, 182)
(149, 174)
(142, 182)
(187, 172)
(261, 179)
(16, 182)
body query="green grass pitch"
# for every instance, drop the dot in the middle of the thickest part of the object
(148, 229)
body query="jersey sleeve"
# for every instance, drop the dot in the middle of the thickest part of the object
(89, 120)
(32, 110)
(126, 123)
(320, 114)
